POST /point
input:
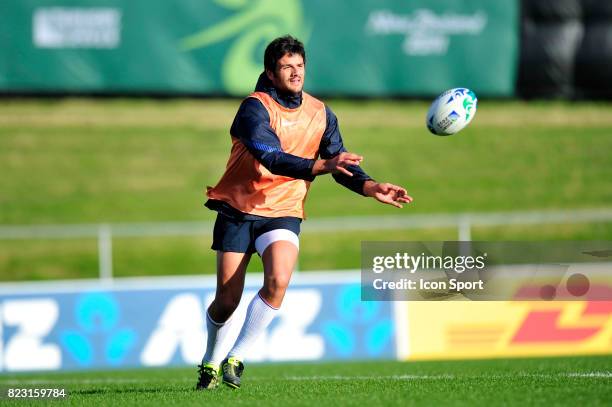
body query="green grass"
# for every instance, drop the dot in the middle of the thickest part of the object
(92, 161)
(576, 381)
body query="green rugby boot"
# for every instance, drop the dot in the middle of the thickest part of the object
(232, 370)
(208, 377)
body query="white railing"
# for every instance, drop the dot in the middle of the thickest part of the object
(105, 233)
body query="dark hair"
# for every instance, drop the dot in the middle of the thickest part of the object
(279, 47)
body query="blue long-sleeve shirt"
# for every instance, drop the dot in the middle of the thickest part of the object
(252, 127)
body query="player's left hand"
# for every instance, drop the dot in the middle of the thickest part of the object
(387, 193)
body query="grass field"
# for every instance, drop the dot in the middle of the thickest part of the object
(576, 381)
(120, 161)
(93, 161)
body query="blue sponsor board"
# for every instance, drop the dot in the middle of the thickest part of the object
(161, 323)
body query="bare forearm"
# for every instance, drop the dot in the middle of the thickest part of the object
(369, 187)
(336, 164)
(319, 168)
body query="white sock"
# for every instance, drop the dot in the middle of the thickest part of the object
(217, 333)
(258, 317)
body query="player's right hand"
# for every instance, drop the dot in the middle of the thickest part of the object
(339, 163)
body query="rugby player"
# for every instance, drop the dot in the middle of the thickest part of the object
(282, 139)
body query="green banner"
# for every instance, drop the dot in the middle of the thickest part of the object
(354, 48)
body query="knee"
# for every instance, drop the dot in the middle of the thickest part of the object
(276, 285)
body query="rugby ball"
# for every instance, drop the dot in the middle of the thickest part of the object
(451, 112)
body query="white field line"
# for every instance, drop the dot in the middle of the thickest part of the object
(591, 374)
(406, 377)
(316, 225)
(360, 377)
(452, 377)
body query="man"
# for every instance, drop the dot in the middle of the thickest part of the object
(277, 136)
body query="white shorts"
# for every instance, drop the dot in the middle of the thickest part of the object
(266, 239)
